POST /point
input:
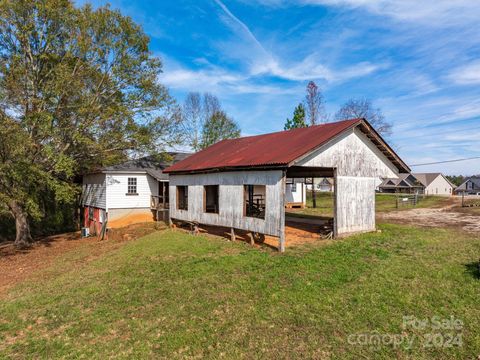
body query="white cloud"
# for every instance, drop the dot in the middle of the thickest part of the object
(263, 62)
(217, 80)
(466, 75)
(439, 12)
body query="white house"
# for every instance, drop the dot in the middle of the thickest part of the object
(435, 184)
(134, 191)
(295, 193)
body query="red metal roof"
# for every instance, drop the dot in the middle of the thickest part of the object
(274, 149)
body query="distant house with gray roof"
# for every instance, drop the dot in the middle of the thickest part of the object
(126, 193)
(471, 186)
(435, 183)
(404, 184)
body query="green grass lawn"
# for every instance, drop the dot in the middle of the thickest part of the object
(383, 203)
(172, 295)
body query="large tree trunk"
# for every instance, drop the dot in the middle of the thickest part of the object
(23, 237)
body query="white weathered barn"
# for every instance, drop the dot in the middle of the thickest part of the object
(240, 183)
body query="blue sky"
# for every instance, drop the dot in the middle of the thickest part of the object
(416, 60)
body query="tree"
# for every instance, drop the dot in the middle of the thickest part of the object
(218, 127)
(363, 108)
(211, 105)
(78, 90)
(193, 119)
(298, 120)
(456, 179)
(314, 104)
(204, 121)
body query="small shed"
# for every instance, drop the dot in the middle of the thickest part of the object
(241, 183)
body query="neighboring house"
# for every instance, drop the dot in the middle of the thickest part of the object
(404, 184)
(471, 186)
(134, 191)
(321, 184)
(295, 193)
(240, 183)
(325, 185)
(435, 184)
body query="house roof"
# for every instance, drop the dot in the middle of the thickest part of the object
(277, 149)
(427, 178)
(403, 180)
(474, 179)
(152, 165)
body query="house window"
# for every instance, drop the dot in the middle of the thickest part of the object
(182, 197)
(294, 187)
(211, 199)
(132, 186)
(254, 200)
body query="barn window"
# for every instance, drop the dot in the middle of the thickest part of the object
(132, 186)
(211, 199)
(254, 199)
(182, 197)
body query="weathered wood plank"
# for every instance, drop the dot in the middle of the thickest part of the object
(231, 199)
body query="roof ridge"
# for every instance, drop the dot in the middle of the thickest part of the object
(297, 129)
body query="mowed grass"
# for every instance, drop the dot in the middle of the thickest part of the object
(383, 203)
(172, 295)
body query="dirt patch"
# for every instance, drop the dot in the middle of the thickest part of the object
(20, 265)
(296, 233)
(130, 219)
(450, 216)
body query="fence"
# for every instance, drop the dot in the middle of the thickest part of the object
(408, 199)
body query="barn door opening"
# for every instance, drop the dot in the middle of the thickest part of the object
(309, 203)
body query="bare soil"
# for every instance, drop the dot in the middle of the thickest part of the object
(18, 265)
(449, 216)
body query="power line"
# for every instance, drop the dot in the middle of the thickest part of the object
(438, 133)
(447, 161)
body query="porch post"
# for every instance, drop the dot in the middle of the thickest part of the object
(281, 240)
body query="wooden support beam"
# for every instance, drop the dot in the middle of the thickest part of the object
(281, 239)
(232, 234)
(252, 238)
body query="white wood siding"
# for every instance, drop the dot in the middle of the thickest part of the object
(94, 191)
(439, 186)
(117, 188)
(352, 154)
(298, 196)
(231, 200)
(355, 204)
(358, 164)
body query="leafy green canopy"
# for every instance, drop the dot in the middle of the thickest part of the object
(218, 127)
(78, 89)
(298, 120)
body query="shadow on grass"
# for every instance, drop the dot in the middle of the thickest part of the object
(473, 269)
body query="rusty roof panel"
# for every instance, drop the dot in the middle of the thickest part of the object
(274, 149)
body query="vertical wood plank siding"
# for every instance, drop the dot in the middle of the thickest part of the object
(355, 204)
(358, 164)
(231, 200)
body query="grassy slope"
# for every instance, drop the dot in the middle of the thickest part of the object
(383, 202)
(173, 295)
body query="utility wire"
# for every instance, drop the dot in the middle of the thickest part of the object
(438, 133)
(447, 161)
